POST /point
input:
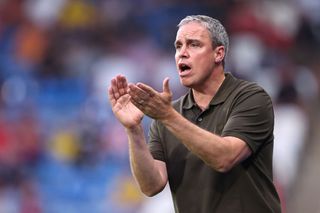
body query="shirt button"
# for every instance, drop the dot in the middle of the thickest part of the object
(200, 119)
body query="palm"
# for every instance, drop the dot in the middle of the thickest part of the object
(128, 114)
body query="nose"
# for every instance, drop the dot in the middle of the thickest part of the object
(182, 52)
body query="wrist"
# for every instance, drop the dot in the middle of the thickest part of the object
(169, 116)
(134, 129)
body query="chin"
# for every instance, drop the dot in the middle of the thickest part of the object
(185, 83)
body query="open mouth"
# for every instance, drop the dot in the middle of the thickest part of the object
(184, 67)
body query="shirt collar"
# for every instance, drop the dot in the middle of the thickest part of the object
(223, 92)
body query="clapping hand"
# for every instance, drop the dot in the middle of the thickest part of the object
(125, 111)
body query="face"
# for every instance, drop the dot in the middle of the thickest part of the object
(195, 57)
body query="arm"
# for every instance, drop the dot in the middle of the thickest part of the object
(221, 153)
(150, 174)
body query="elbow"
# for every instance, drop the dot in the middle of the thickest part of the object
(152, 189)
(223, 166)
(150, 192)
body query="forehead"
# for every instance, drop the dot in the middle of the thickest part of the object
(192, 30)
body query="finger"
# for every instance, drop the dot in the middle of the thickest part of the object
(147, 89)
(165, 85)
(115, 89)
(142, 107)
(112, 99)
(137, 93)
(134, 102)
(125, 83)
(137, 104)
(121, 84)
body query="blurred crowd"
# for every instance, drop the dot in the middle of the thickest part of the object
(61, 149)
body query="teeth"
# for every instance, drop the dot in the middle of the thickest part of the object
(184, 67)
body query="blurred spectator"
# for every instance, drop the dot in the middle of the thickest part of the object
(60, 148)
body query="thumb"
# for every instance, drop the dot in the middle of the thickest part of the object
(166, 88)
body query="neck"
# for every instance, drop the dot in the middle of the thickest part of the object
(204, 96)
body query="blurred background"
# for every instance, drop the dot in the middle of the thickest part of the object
(61, 149)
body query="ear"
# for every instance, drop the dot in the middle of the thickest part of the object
(219, 54)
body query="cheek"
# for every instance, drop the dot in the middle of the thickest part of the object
(204, 61)
(204, 66)
(176, 57)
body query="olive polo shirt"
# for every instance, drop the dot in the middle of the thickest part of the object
(240, 109)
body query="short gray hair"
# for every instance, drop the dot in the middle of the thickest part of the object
(216, 30)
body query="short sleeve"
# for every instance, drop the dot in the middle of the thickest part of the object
(154, 142)
(251, 118)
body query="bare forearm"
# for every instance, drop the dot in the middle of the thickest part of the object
(209, 147)
(221, 153)
(144, 168)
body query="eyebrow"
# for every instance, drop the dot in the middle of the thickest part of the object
(176, 43)
(188, 41)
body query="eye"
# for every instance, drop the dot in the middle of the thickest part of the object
(195, 44)
(177, 46)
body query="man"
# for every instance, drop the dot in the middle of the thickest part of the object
(214, 145)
